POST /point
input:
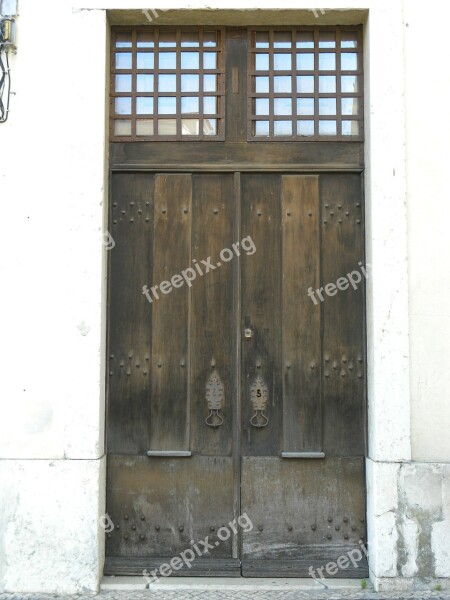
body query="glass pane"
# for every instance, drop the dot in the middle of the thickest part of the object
(327, 62)
(262, 128)
(145, 60)
(167, 105)
(350, 128)
(327, 106)
(305, 128)
(123, 60)
(190, 39)
(123, 40)
(262, 85)
(350, 106)
(262, 39)
(305, 106)
(209, 83)
(190, 126)
(283, 106)
(282, 85)
(349, 61)
(327, 128)
(168, 60)
(262, 62)
(190, 105)
(209, 38)
(167, 83)
(167, 39)
(262, 106)
(123, 106)
(144, 106)
(122, 127)
(305, 62)
(210, 105)
(210, 60)
(167, 127)
(349, 39)
(327, 39)
(144, 127)
(145, 40)
(305, 39)
(144, 83)
(282, 128)
(123, 83)
(349, 84)
(327, 84)
(282, 39)
(282, 62)
(190, 60)
(190, 83)
(305, 84)
(210, 126)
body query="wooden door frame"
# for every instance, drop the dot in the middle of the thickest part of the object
(387, 346)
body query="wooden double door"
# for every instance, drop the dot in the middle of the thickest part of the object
(236, 378)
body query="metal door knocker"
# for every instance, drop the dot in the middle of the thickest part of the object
(259, 396)
(215, 399)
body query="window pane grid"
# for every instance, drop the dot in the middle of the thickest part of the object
(323, 65)
(167, 84)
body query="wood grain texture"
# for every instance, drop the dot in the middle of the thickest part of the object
(301, 360)
(129, 313)
(170, 401)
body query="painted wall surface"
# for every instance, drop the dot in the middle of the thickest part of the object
(428, 89)
(53, 188)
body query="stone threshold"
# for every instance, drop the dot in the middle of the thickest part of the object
(181, 584)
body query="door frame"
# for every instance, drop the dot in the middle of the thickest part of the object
(385, 191)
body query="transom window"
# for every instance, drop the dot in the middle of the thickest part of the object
(305, 84)
(167, 84)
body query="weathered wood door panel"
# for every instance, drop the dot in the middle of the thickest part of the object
(236, 371)
(285, 439)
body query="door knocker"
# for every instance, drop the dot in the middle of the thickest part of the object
(215, 399)
(259, 396)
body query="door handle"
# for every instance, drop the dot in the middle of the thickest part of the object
(259, 397)
(214, 398)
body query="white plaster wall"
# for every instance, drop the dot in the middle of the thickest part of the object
(52, 161)
(428, 91)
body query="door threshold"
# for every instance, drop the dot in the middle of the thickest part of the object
(128, 583)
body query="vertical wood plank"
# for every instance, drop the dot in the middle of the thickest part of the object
(261, 310)
(302, 415)
(169, 422)
(344, 389)
(212, 318)
(129, 315)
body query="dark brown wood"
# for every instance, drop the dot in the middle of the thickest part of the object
(169, 424)
(261, 156)
(343, 316)
(261, 310)
(211, 321)
(199, 378)
(302, 568)
(168, 501)
(202, 567)
(301, 360)
(129, 342)
(318, 507)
